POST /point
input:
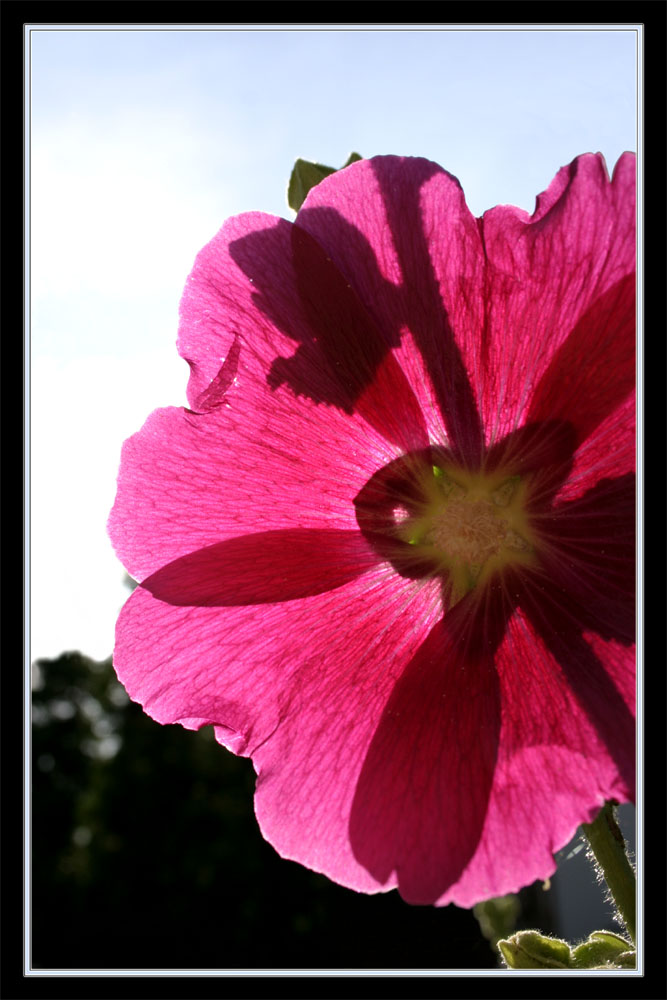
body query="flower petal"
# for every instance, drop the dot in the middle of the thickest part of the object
(417, 265)
(269, 566)
(588, 553)
(602, 701)
(555, 766)
(422, 795)
(299, 686)
(556, 277)
(593, 371)
(189, 480)
(608, 453)
(488, 304)
(567, 685)
(301, 326)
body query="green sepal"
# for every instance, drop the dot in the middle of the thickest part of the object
(532, 950)
(604, 949)
(306, 175)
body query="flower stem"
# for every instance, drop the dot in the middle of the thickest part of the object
(608, 847)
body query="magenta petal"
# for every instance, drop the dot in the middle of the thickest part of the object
(266, 567)
(588, 557)
(554, 768)
(422, 795)
(254, 661)
(300, 685)
(418, 268)
(608, 452)
(188, 481)
(347, 343)
(559, 271)
(584, 394)
(268, 286)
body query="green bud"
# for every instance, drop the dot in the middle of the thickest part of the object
(305, 175)
(532, 950)
(496, 917)
(604, 949)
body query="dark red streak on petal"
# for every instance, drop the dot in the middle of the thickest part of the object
(542, 451)
(420, 306)
(263, 568)
(353, 346)
(586, 676)
(594, 369)
(589, 559)
(586, 583)
(215, 394)
(428, 773)
(356, 370)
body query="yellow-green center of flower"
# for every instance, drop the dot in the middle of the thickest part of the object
(473, 524)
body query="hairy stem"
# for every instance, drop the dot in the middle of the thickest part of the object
(610, 852)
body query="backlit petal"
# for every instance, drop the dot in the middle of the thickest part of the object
(296, 563)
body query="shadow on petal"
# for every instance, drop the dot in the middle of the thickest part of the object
(423, 792)
(345, 361)
(542, 450)
(561, 623)
(263, 568)
(349, 345)
(423, 310)
(589, 559)
(593, 370)
(597, 694)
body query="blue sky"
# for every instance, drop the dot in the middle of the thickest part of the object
(144, 141)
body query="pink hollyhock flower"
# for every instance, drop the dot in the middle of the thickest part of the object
(388, 552)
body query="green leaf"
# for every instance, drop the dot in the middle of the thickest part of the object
(532, 950)
(305, 175)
